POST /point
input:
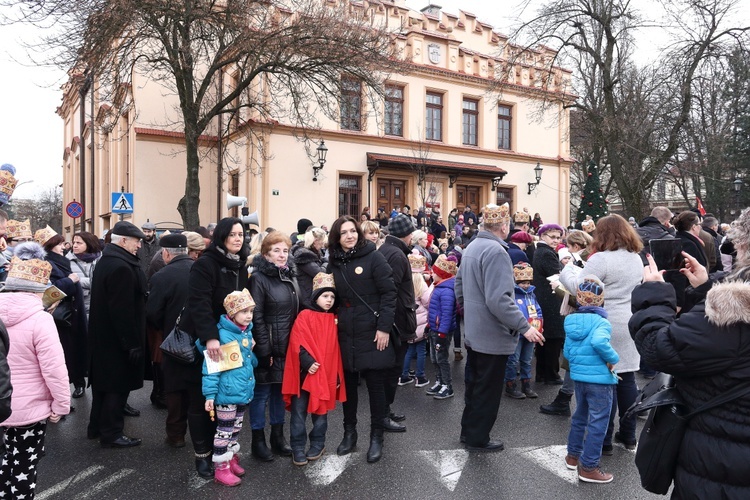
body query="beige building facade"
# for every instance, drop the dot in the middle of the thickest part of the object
(440, 138)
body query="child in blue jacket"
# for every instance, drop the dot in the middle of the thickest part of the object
(442, 321)
(591, 358)
(523, 273)
(229, 392)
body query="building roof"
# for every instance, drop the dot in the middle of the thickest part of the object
(377, 160)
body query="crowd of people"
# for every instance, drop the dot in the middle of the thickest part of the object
(295, 323)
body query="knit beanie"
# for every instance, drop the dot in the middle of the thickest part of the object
(445, 267)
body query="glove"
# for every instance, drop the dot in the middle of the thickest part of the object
(135, 356)
(441, 342)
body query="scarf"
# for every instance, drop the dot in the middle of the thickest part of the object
(88, 257)
(344, 256)
(593, 310)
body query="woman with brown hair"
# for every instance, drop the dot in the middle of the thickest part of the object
(615, 261)
(86, 253)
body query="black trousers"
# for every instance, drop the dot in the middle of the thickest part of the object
(25, 446)
(483, 392)
(391, 382)
(548, 358)
(177, 414)
(202, 429)
(106, 418)
(376, 381)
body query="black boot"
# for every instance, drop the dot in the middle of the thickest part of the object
(157, 391)
(376, 446)
(204, 465)
(202, 434)
(259, 449)
(560, 406)
(526, 388)
(349, 442)
(278, 443)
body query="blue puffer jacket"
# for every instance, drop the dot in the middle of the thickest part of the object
(236, 386)
(587, 348)
(442, 314)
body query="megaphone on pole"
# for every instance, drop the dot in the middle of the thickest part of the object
(235, 201)
(251, 219)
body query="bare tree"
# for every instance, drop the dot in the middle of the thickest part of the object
(635, 114)
(244, 63)
(42, 210)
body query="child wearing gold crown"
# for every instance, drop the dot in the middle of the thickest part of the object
(229, 392)
(520, 360)
(313, 373)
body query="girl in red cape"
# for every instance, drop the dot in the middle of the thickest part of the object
(313, 374)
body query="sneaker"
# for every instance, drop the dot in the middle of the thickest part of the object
(571, 462)
(445, 392)
(412, 373)
(629, 445)
(607, 450)
(405, 380)
(594, 475)
(422, 381)
(434, 389)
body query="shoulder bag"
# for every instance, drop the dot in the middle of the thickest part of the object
(661, 437)
(179, 344)
(395, 334)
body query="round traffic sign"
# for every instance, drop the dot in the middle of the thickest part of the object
(74, 209)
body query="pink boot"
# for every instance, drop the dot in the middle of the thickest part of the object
(223, 475)
(235, 467)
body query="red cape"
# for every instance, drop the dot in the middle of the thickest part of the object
(318, 334)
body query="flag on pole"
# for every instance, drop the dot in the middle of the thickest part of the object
(699, 205)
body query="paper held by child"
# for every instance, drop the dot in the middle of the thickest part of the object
(231, 358)
(52, 295)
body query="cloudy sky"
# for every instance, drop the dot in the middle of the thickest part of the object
(31, 133)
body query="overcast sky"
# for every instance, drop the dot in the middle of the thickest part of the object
(31, 135)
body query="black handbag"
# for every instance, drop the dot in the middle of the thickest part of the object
(63, 314)
(179, 345)
(661, 437)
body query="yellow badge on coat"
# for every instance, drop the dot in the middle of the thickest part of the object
(245, 342)
(358, 270)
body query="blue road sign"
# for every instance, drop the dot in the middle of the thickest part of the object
(122, 203)
(74, 209)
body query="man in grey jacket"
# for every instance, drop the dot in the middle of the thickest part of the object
(484, 286)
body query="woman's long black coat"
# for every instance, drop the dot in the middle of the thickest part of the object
(546, 263)
(276, 307)
(707, 349)
(368, 272)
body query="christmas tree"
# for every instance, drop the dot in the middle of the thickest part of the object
(592, 198)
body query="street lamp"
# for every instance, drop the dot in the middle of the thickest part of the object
(538, 175)
(497, 180)
(322, 152)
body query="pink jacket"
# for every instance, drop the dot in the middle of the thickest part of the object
(423, 304)
(37, 363)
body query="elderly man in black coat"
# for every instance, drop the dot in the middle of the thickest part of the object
(395, 250)
(168, 291)
(117, 322)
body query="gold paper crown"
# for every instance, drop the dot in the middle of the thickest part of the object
(417, 262)
(445, 265)
(521, 217)
(7, 183)
(323, 280)
(34, 270)
(238, 301)
(42, 236)
(18, 229)
(523, 272)
(494, 214)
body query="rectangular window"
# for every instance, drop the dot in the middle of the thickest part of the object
(471, 121)
(394, 110)
(351, 104)
(434, 128)
(503, 126)
(350, 194)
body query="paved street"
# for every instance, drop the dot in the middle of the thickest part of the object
(425, 462)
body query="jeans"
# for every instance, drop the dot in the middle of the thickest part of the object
(443, 372)
(297, 437)
(568, 386)
(593, 406)
(418, 350)
(524, 353)
(626, 393)
(271, 394)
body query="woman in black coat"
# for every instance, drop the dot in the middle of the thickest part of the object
(274, 289)
(707, 349)
(73, 330)
(216, 273)
(365, 324)
(546, 263)
(308, 258)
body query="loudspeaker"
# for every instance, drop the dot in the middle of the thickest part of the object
(235, 201)
(251, 219)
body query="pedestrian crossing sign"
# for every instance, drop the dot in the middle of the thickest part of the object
(122, 203)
